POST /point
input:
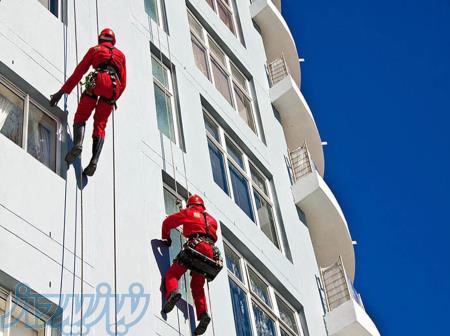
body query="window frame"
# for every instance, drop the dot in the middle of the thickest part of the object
(12, 301)
(27, 101)
(186, 292)
(231, 8)
(169, 92)
(161, 15)
(227, 68)
(57, 12)
(246, 173)
(251, 298)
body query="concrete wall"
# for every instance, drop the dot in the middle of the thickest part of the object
(36, 205)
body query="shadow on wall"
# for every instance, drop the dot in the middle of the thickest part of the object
(82, 180)
(162, 257)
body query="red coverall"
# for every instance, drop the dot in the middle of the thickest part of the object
(193, 222)
(98, 55)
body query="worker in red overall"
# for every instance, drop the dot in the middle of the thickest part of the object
(198, 225)
(103, 86)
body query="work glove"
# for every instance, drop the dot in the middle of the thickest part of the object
(54, 98)
(168, 242)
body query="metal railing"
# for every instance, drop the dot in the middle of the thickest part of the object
(278, 70)
(338, 287)
(301, 162)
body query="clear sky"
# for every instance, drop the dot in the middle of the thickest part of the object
(377, 78)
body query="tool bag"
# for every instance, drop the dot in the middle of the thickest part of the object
(197, 262)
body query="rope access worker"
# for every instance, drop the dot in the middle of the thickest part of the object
(103, 86)
(200, 229)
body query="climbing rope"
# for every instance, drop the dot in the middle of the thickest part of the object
(114, 193)
(81, 193)
(65, 184)
(210, 309)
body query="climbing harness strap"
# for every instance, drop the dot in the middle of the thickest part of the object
(90, 80)
(196, 261)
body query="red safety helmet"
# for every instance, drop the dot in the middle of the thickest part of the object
(195, 200)
(107, 35)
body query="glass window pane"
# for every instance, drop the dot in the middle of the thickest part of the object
(42, 137)
(287, 315)
(25, 323)
(170, 202)
(244, 107)
(239, 77)
(241, 192)
(225, 15)
(45, 3)
(259, 287)
(11, 115)
(265, 326)
(211, 128)
(195, 26)
(200, 57)
(164, 113)
(221, 81)
(210, 3)
(284, 333)
(233, 262)
(2, 313)
(160, 72)
(217, 52)
(151, 8)
(240, 310)
(235, 153)
(218, 166)
(265, 216)
(259, 179)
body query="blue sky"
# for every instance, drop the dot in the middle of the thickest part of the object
(377, 78)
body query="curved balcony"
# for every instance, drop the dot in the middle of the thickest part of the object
(298, 122)
(345, 315)
(326, 222)
(276, 35)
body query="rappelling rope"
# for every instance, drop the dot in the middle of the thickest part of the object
(210, 308)
(65, 184)
(81, 192)
(174, 169)
(114, 194)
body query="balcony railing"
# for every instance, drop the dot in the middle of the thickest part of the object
(301, 162)
(278, 70)
(338, 287)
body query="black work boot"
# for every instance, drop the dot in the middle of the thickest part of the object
(97, 145)
(171, 301)
(78, 136)
(203, 324)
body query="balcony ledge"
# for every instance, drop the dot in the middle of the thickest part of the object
(276, 35)
(350, 319)
(297, 119)
(326, 222)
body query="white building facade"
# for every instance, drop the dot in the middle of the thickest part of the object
(213, 106)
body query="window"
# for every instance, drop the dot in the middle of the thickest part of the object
(227, 10)
(28, 125)
(270, 313)
(215, 64)
(42, 137)
(165, 100)
(156, 10)
(171, 203)
(51, 5)
(18, 318)
(239, 178)
(287, 316)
